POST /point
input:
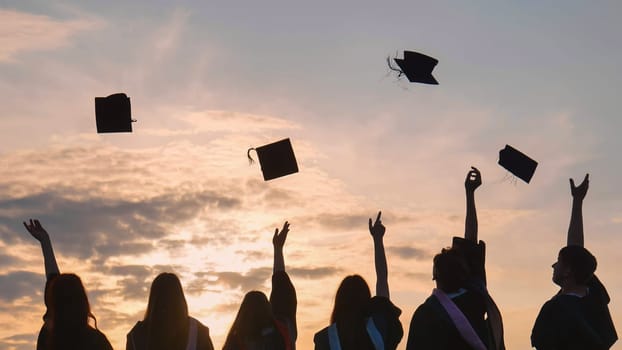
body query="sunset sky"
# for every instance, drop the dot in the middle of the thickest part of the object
(209, 79)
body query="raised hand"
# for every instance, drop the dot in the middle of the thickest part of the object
(579, 192)
(473, 180)
(380, 260)
(36, 230)
(377, 229)
(278, 240)
(40, 234)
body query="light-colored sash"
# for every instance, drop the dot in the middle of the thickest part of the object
(372, 331)
(459, 320)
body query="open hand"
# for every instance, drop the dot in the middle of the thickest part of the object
(473, 179)
(580, 191)
(36, 230)
(278, 240)
(377, 229)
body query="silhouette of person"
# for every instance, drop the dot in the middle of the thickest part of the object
(67, 326)
(358, 321)
(453, 317)
(268, 324)
(49, 261)
(577, 317)
(167, 325)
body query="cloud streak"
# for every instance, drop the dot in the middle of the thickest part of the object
(22, 32)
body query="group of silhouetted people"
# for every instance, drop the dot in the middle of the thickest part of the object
(460, 313)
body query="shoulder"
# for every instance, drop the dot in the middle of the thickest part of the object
(597, 290)
(137, 330)
(426, 312)
(379, 304)
(320, 339)
(204, 341)
(98, 339)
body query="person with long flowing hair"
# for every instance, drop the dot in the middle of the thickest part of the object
(263, 324)
(358, 321)
(167, 324)
(68, 325)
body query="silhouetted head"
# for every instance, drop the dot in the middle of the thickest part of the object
(351, 300)
(166, 299)
(69, 311)
(450, 271)
(167, 314)
(69, 305)
(254, 316)
(575, 264)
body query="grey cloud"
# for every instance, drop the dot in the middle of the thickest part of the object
(134, 270)
(92, 227)
(24, 341)
(253, 279)
(313, 272)
(252, 255)
(19, 284)
(406, 252)
(7, 260)
(227, 307)
(419, 276)
(133, 288)
(199, 286)
(177, 269)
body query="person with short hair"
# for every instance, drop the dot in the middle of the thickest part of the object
(460, 314)
(577, 317)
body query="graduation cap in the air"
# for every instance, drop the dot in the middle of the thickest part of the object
(113, 113)
(276, 159)
(417, 67)
(517, 163)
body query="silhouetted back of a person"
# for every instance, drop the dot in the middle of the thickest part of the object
(255, 325)
(167, 324)
(69, 311)
(577, 317)
(263, 324)
(358, 320)
(350, 313)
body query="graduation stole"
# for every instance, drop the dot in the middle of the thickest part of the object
(459, 320)
(372, 331)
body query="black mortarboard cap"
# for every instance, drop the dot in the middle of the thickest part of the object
(113, 113)
(517, 163)
(276, 159)
(417, 67)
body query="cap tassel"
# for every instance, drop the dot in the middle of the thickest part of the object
(391, 67)
(248, 154)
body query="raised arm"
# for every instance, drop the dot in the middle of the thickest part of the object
(575, 228)
(283, 295)
(471, 183)
(278, 241)
(40, 234)
(380, 259)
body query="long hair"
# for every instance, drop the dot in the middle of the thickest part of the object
(350, 311)
(69, 313)
(166, 318)
(254, 316)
